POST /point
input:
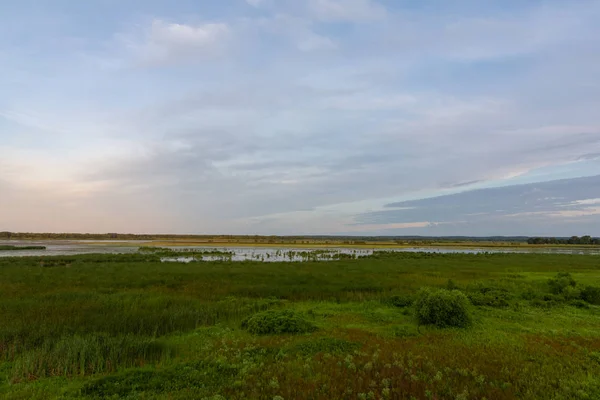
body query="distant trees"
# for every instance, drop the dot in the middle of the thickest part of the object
(5, 235)
(587, 240)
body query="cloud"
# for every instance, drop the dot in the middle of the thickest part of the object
(165, 43)
(286, 120)
(255, 3)
(347, 10)
(300, 31)
(558, 202)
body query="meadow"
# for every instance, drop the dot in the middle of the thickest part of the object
(132, 327)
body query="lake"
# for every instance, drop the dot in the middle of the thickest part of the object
(61, 248)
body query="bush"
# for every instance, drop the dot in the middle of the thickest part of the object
(277, 322)
(572, 293)
(490, 299)
(560, 282)
(579, 304)
(450, 285)
(442, 308)
(591, 294)
(400, 301)
(530, 294)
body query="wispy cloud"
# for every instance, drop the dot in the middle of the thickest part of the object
(167, 43)
(347, 10)
(560, 202)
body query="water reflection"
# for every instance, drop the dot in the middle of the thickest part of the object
(201, 253)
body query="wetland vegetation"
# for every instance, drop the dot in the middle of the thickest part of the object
(387, 325)
(22, 248)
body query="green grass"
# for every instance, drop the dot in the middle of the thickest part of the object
(129, 326)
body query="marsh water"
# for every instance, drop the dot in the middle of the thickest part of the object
(266, 254)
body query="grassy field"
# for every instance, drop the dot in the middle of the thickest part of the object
(131, 327)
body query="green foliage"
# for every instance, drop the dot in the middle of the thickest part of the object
(491, 299)
(201, 378)
(326, 345)
(17, 248)
(405, 331)
(561, 282)
(571, 293)
(443, 308)
(400, 300)
(591, 294)
(450, 285)
(490, 296)
(131, 327)
(275, 322)
(84, 355)
(579, 304)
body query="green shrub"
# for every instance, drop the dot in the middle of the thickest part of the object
(572, 293)
(400, 301)
(530, 294)
(579, 304)
(490, 296)
(442, 308)
(560, 282)
(450, 285)
(547, 301)
(591, 294)
(326, 345)
(275, 322)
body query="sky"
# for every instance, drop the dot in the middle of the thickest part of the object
(299, 117)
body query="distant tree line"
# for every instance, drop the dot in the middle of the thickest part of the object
(572, 240)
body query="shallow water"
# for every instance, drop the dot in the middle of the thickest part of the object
(58, 248)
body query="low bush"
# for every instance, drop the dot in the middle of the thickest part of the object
(442, 308)
(561, 282)
(571, 293)
(326, 345)
(276, 322)
(400, 301)
(591, 294)
(579, 304)
(546, 302)
(490, 296)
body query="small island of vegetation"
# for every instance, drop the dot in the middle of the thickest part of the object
(17, 248)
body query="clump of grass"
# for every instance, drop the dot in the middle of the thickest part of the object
(275, 322)
(490, 296)
(591, 294)
(326, 345)
(86, 355)
(405, 331)
(400, 301)
(442, 308)
(579, 304)
(197, 379)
